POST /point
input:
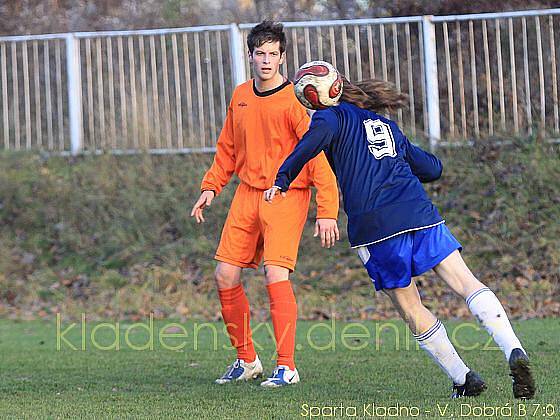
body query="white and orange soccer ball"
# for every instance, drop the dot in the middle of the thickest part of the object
(318, 85)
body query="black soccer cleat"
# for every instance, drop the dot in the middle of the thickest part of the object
(473, 386)
(523, 382)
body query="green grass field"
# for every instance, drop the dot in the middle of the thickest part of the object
(358, 375)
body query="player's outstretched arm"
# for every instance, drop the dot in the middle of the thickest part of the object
(314, 141)
(309, 146)
(203, 201)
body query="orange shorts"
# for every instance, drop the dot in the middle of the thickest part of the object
(255, 228)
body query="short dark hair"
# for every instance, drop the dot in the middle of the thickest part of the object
(266, 31)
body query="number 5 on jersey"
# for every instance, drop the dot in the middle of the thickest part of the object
(380, 138)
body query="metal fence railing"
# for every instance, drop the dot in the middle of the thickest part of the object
(33, 80)
(467, 77)
(153, 89)
(159, 90)
(498, 74)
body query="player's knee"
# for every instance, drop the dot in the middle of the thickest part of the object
(274, 274)
(407, 296)
(225, 279)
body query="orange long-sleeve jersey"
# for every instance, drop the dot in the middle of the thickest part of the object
(260, 131)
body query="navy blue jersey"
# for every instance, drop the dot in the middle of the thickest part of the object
(379, 172)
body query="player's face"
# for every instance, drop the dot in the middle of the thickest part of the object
(266, 60)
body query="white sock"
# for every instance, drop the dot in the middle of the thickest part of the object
(486, 307)
(438, 346)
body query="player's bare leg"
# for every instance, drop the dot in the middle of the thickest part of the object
(432, 337)
(486, 307)
(413, 312)
(236, 314)
(227, 275)
(275, 273)
(283, 311)
(457, 275)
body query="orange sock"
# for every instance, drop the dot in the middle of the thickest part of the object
(236, 314)
(283, 310)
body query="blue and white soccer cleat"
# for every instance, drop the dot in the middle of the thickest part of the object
(281, 376)
(241, 371)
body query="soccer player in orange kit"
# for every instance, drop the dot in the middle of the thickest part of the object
(264, 122)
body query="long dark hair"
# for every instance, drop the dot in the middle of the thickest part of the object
(376, 95)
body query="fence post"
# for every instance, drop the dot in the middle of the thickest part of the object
(431, 81)
(237, 55)
(73, 66)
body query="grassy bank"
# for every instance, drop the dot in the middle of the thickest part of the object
(112, 236)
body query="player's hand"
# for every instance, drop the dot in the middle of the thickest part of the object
(327, 229)
(204, 201)
(271, 192)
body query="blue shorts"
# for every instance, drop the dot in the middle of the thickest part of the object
(393, 262)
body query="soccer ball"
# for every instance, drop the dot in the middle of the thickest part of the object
(318, 85)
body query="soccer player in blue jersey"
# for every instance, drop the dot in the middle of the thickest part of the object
(397, 231)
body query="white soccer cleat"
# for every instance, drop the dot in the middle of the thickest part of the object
(281, 376)
(241, 371)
